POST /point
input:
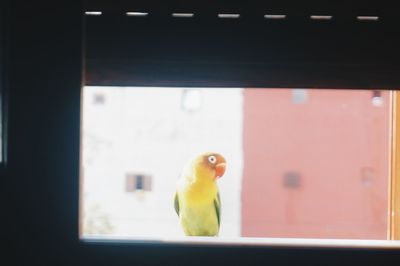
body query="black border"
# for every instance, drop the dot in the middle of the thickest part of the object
(3, 83)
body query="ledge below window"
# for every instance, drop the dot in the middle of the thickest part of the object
(251, 242)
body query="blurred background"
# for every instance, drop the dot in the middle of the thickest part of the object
(301, 163)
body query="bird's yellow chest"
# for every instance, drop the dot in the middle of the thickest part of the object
(198, 186)
(200, 193)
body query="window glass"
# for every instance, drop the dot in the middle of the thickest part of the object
(300, 163)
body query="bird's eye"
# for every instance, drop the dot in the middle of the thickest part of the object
(212, 159)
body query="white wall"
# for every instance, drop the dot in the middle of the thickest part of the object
(145, 130)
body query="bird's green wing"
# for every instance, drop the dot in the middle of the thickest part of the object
(217, 205)
(176, 203)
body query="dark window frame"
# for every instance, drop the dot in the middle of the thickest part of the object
(41, 185)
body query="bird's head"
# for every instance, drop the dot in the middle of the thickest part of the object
(210, 164)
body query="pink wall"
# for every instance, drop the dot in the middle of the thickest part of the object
(338, 142)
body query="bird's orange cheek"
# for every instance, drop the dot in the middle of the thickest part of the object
(220, 169)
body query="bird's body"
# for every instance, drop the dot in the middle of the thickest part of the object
(197, 200)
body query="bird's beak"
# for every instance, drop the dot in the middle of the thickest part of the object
(220, 169)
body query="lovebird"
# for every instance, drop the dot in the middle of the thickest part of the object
(197, 201)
